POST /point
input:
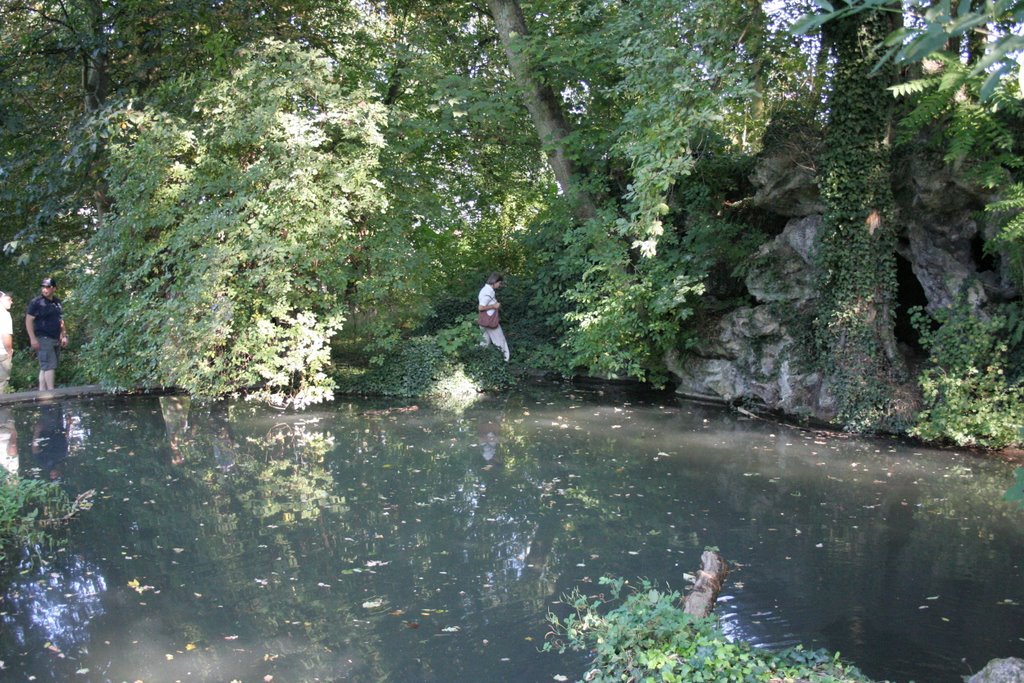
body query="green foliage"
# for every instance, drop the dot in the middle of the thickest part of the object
(1010, 238)
(648, 637)
(977, 136)
(27, 506)
(626, 318)
(666, 97)
(56, 56)
(618, 313)
(968, 400)
(858, 239)
(666, 129)
(236, 232)
(451, 362)
(930, 27)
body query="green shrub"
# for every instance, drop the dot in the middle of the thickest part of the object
(239, 231)
(451, 362)
(26, 507)
(486, 368)
(648, 637)
(968, 400)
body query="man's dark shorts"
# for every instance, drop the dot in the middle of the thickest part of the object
(49, 353)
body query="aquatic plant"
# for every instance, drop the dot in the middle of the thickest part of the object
(648, 637)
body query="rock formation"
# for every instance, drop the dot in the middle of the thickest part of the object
(760, 354)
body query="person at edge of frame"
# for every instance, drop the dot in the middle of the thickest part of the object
(6, 340)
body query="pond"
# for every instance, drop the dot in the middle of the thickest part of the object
(366, 541)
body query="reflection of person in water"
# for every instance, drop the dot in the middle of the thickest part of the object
(175, 411)
(50, 439)
(224, 448)
(8, 442)
(488, 434)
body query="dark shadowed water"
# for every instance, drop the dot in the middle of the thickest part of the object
(360, 542)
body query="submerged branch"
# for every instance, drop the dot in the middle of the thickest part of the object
(701, 599)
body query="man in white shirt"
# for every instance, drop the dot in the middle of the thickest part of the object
(6, 340)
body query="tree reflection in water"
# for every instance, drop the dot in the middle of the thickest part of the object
(55, 604)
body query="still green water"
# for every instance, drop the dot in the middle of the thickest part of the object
(364, 541)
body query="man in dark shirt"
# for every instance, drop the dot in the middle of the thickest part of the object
(44, 322)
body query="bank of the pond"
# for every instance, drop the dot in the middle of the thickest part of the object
(57, 394)
(1012, 455)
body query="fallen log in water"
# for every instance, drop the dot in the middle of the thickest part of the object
(701, 599)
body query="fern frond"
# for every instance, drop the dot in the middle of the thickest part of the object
(1013, 201)
(915, 86)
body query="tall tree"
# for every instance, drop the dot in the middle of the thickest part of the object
(857, 245)
(62, 61)
(544, 105)
(237, 229)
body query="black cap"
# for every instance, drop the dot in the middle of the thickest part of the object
(3, 294)
(49, 282)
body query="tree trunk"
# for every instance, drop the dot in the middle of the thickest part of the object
(543, 104)
(855, 325)
(96, 87)
(701, 600)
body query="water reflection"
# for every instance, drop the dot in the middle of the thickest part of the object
(377, 543)
(52, 607)
(1015, 494)
(175, 410)
(8, 442)
(50, 439)
(488, 432)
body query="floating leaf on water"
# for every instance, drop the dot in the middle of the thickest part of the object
(189, 647)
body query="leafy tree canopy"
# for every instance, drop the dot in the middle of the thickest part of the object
(236, 230)
(931, 27)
